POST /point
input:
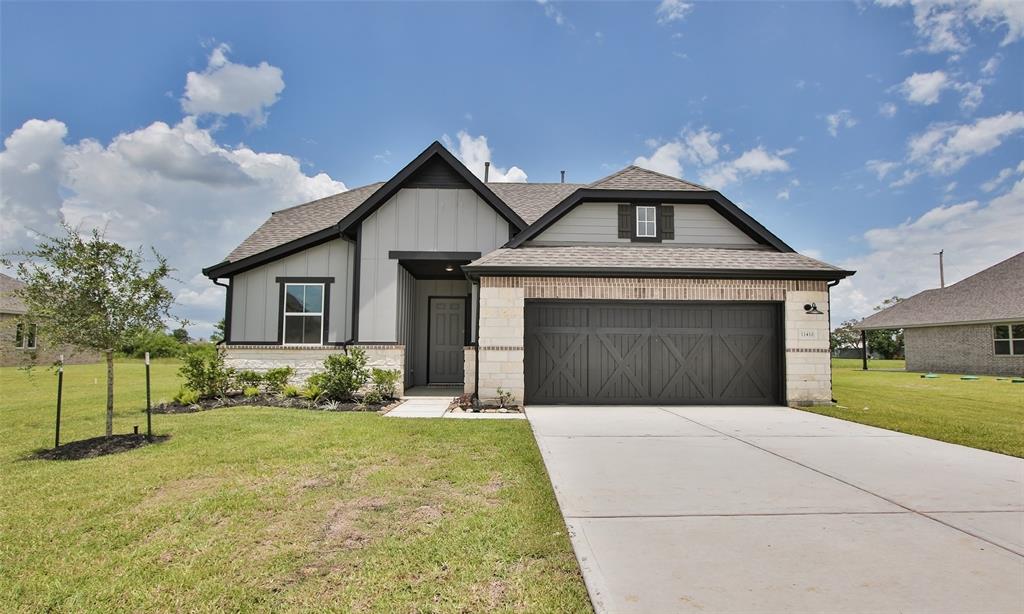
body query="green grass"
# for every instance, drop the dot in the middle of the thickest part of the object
(265, 509)
(986, 414)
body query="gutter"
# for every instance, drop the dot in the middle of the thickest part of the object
(227, 311)
(828, 291)
(474, 272)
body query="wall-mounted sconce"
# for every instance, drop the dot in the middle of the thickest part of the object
(812, 309)
(449, 268)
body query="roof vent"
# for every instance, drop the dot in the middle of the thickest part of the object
(487, 170)
(563, 176)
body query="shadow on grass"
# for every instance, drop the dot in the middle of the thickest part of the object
(96, 446)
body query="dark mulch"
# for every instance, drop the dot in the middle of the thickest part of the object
(97, 446)
(265, 400)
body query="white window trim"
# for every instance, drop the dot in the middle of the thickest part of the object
(285, 314)
(653, 221)
(1010, 339)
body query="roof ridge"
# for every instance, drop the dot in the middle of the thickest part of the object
(634, 167)
(323, 198)
(985, 270)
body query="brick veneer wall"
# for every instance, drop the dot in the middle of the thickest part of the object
(43, 354)
(503, 300)
(307, 360)
(965, 348)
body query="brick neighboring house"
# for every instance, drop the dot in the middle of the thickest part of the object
(20, 344)
(974, 326)
(638, 288)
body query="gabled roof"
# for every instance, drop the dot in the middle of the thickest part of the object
(532, 200)
(9, 301)
(663, 260)
(993, 295)
(635, 178)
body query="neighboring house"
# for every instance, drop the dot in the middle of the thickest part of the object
(973, 326)
(637, 288)
(20, 340)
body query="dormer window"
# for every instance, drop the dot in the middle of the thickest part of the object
(646, 221)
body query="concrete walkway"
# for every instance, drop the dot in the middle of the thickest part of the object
(437, 407)
(770, 509)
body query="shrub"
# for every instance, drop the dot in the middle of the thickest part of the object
(373, 397)
(206, 373)
(274, 380)
(158, 343)
(251, 391)
(343, 375)
(312, 392)
(463, 401)
(505, 398)
(385, 382)
(248, 379)
(290, 391)
(186, 396)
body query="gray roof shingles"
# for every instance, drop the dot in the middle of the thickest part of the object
(992, 295)
(635, 178)
(660, 257)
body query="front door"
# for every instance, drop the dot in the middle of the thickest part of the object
(445, 358)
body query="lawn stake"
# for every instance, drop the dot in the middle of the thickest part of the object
(149, 415)
(60, 388)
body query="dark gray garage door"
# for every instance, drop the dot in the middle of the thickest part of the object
(649, 353)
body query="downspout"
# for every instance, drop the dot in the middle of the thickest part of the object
(227, 311)
(828, 292)
(476, 348)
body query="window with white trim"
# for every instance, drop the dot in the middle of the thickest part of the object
(23, 341)
(1008, 339)
(646, 221)
(303, 314)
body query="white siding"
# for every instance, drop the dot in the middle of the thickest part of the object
(256, 293)
(598, 223)
(417, 219)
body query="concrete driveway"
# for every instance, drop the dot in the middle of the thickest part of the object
(771, 509)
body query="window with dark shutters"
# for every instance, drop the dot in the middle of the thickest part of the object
(625, 221)
(668, 222)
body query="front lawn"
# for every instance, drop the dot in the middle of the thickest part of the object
(986, 414)
(272, 509)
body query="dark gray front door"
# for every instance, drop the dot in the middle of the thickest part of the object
(445, 357)
(652, 353)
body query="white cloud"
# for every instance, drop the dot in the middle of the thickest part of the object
(881, 168)
(553, 12)
(900, 259)
(751, 163)
(474, 151)
(842, 118)
(173, 187)
(945, 148)
(972, 96)
(783, 194)
(943, 24)
(673, 10)
(226, 88)
(991, 65)
(1002, 176)
(925, 88)
(887, 109)
(665, 159)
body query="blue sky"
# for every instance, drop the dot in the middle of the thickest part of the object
(869, 135)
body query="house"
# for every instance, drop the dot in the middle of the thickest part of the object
(636, 288)
(973, 326)
(20, 341)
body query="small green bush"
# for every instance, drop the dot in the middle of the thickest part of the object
(505, 398)
(248, 379)
(312, 392)
(385, 382)
(158, 343)
(186, 396)
(274, 380)
(343, 375)
(373, 397)
(290, 391)
(206, 373)
(251, 391)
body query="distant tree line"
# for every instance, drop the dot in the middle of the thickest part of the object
(886, 343)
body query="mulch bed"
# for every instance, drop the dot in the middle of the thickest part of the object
(488, 408)
(97, 446)
(266, 400)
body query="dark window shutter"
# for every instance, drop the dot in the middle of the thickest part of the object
(668, 221)
(625, 221)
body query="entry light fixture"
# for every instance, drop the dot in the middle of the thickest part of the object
(449, 268)
(812, 309)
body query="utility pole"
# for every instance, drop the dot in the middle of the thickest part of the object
(942, 272)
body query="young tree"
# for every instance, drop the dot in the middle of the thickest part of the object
(93, 293)
(218, 332)
(845, 336)
(888, 343)
(181, 335)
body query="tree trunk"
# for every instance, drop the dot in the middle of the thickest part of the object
(110, 393)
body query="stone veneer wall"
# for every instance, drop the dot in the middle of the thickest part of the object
(966, 348)
(469, 382)
(502, 310)
(307, 360)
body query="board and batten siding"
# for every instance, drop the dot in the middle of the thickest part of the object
(256, 294)
(417, 219)
(407, 319)
(598, 223)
